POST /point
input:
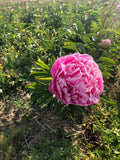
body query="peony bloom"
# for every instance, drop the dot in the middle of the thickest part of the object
(118, 9)
(76, 80)
(89, 2)
(77, 2)
(27, 7)
(53, 1)
(40, 3)
(106, 43)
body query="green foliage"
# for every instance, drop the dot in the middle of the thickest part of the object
(53, 147)
(40, 88)
(107, 122)
(57, 30)
(49, 31)
(6, 142)
(41, 77)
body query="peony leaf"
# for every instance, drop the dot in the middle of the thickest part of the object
(52, 60)
(44, 98)
(38, 86)
(72, 115)
(45, 79)
(70, 46)
(86, 39)
(40, 74)
(42, 65)
(105, 59)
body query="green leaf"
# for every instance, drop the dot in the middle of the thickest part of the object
(81, 47)
(70, 46)
(44, 99)
(117, 32)
(52, 60)
(94, 25)
(72, 115)
(45, 79)
(105, 59)
(40, 74)
(42, 65)
(31, 86)
(37, 86)
(106, 74)
(45, 103)
(38, 96)
(86, 39)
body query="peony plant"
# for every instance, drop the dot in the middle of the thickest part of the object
(66, 83)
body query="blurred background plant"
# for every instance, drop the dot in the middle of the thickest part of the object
(46, 29)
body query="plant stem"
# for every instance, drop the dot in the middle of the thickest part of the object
(106, 16)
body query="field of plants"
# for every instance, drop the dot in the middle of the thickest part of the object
(55, 102)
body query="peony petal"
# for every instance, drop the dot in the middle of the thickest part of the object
(56, 66)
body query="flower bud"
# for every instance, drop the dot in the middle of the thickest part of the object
(106, 43)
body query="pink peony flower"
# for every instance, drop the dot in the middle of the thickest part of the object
(89, 2)
(27, 7)
(118, 9)
(54, 2)
(76, 80)
(106, 43)
(40, 3)
(77, 2)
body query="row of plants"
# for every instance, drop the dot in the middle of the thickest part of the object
(33, 35)
(46, 29)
